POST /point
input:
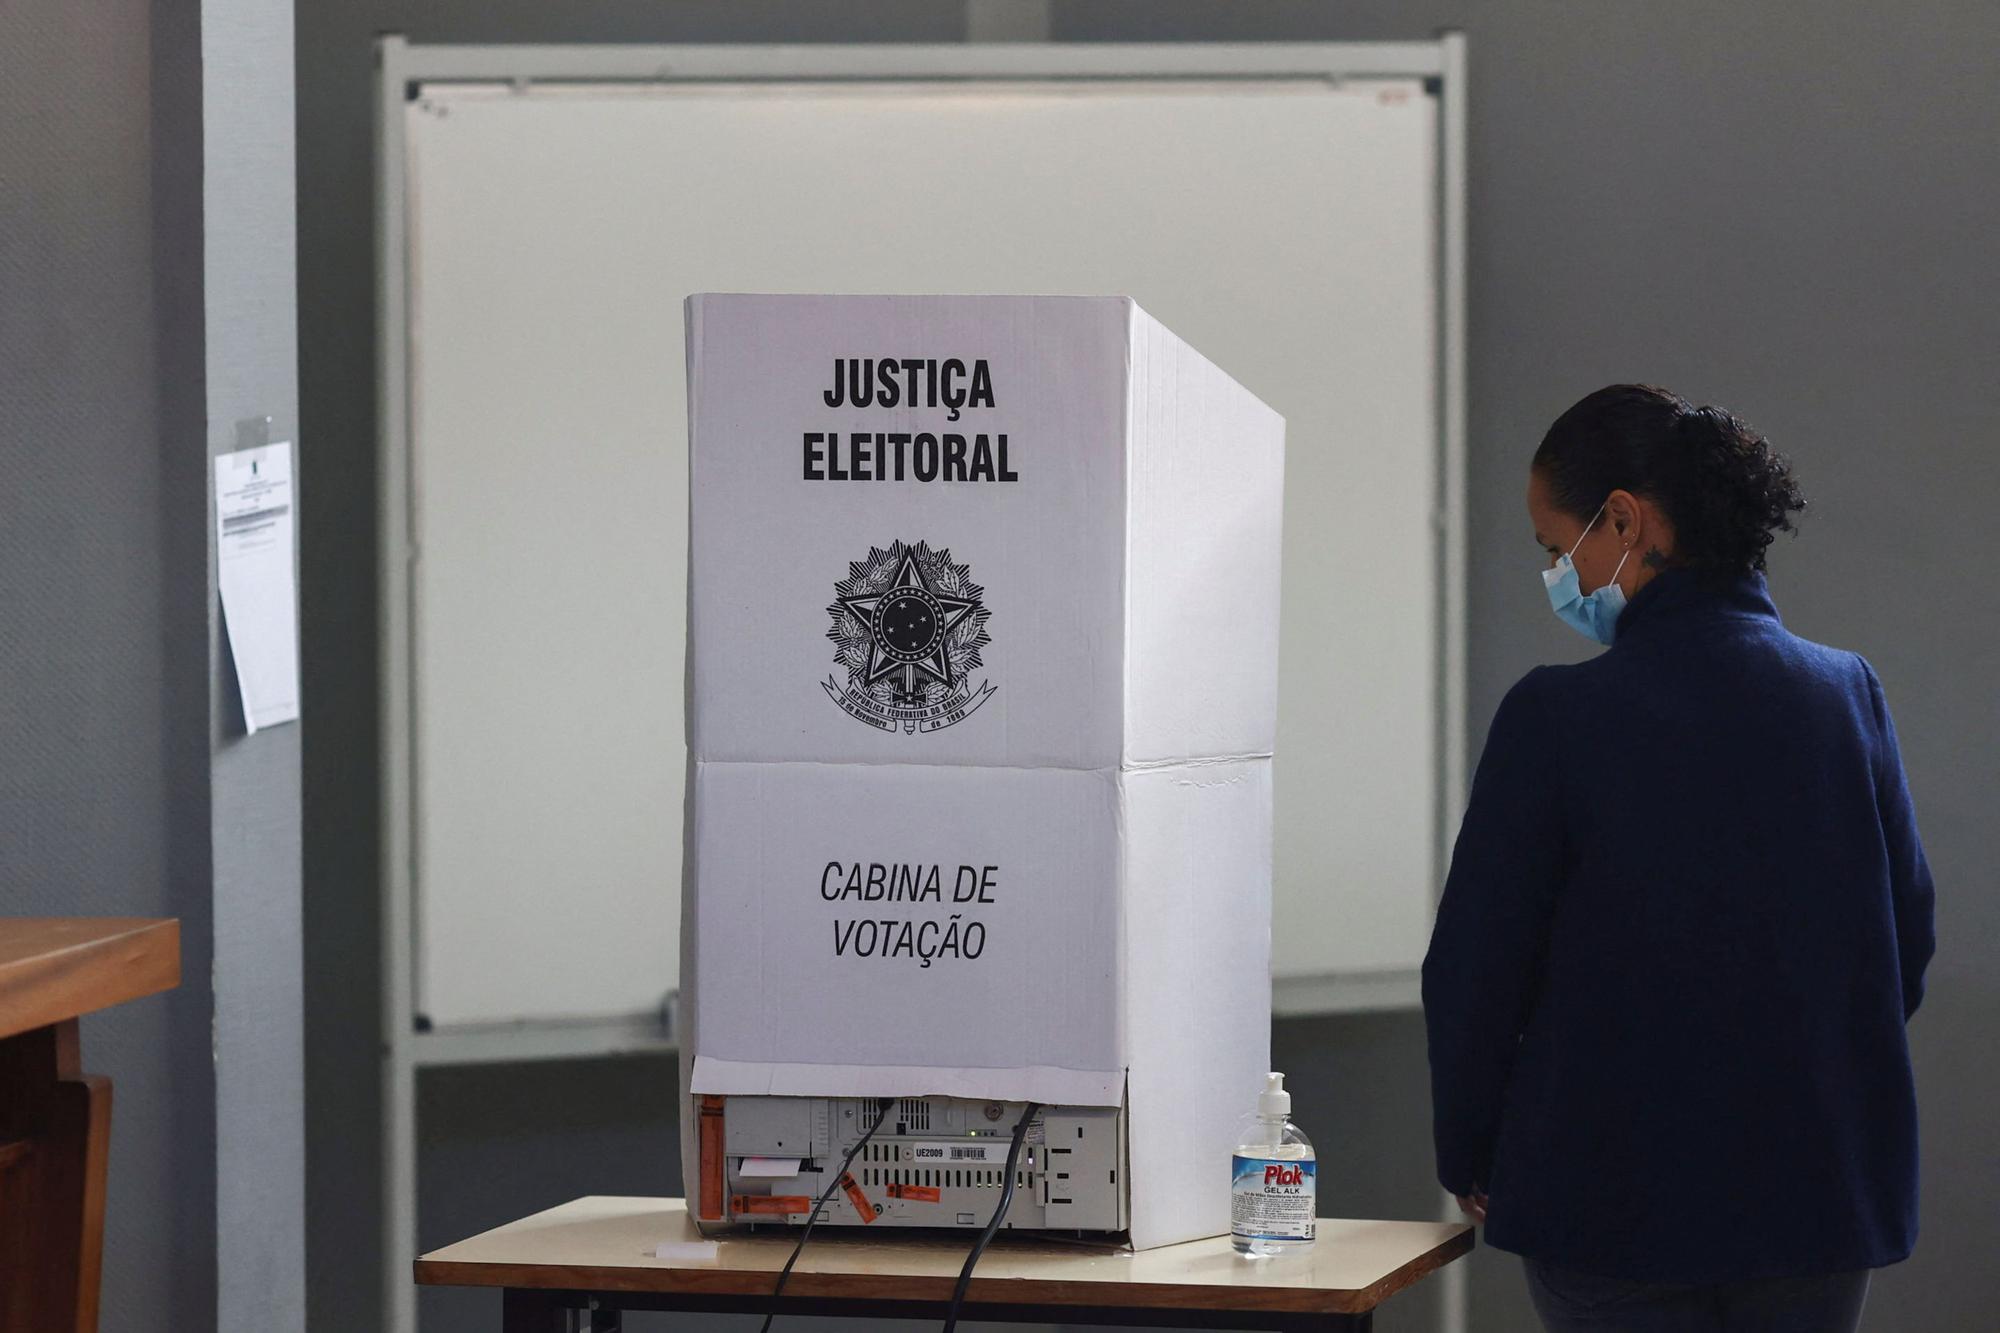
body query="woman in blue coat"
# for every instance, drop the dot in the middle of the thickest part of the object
(1687, 916)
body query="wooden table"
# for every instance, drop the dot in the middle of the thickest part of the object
(581, 1265)
(55, 1120)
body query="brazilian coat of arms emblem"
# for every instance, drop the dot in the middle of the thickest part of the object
(908, 626)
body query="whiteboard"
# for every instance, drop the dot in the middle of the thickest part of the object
(1288, 229)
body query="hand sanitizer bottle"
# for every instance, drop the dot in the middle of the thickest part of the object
(1272, 1179)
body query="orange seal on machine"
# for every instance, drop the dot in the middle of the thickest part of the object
(856, 1197)
(780, 1204)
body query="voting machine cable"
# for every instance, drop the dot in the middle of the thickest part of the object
(993, 1223)
(832, 1185)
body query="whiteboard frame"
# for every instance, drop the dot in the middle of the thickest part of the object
(400, 64)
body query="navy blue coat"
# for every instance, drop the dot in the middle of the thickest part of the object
(1686, 921)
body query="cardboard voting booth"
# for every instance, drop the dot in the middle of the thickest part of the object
(981, 690)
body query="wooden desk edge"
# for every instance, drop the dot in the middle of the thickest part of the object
(991, 1291)
(138, 956)
(1455, 1246)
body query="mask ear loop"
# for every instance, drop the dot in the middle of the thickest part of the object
(1621, 564)
(1586, 532)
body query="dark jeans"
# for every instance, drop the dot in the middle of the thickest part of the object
(1573, 1302)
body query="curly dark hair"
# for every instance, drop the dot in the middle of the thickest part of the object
(1717, 479)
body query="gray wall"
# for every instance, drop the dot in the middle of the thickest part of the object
(103, 552)
(250, 293)
(131, 338)
(1786, 210)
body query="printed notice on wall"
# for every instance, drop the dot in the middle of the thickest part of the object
(257, 579)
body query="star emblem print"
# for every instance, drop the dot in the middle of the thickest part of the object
(909, 627)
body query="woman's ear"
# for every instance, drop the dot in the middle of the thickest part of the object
(1625, 516)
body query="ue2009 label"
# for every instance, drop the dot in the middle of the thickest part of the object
(952, 1154)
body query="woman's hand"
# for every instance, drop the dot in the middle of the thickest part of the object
(1473, 1205)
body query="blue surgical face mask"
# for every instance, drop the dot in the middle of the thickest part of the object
(1594, 616)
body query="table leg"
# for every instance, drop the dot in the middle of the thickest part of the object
(55, 1140)
(535, 1312)
(526, 1311)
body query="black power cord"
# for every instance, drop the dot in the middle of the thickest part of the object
(993, 1223)
(813, 1218)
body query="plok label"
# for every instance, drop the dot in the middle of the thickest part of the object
(1272, 1198)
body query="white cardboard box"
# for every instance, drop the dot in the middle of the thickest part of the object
(980, 797)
